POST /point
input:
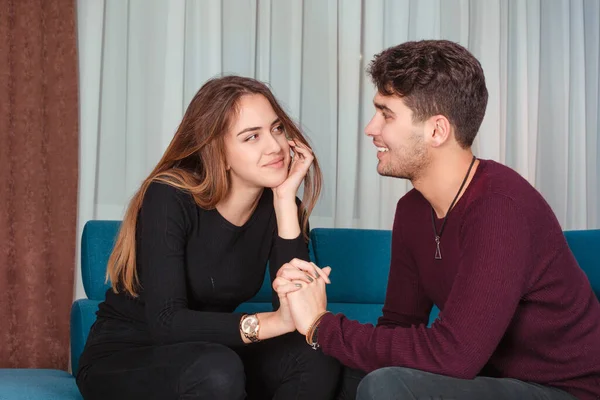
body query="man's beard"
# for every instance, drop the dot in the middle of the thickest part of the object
(405, 162)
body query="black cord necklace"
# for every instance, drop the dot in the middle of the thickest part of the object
(438, 253)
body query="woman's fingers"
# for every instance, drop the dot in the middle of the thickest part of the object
(291, 273)
(323, 272)
(302, 151)
(326, 270)
(283, 286)
(310, 268)
(302, 265)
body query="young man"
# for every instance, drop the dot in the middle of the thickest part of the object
(518, 316)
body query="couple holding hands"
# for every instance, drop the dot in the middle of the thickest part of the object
(518, 318)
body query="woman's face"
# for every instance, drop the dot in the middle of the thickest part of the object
(256, 148)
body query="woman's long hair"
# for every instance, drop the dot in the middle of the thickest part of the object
(195, 163)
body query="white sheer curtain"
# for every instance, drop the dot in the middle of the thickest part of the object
(141, 61)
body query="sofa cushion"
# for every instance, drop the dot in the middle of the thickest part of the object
(37, 384)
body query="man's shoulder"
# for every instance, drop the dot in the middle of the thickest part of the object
(496, 181)
(501, 192)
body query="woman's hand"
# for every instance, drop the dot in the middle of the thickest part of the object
(282, 286)
(301, 162)
(300, 270)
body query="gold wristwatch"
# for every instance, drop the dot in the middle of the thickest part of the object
(250, 326)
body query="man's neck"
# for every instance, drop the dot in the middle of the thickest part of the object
(442, 179)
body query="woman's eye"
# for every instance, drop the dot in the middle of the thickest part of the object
(279, 128)
(251, 137)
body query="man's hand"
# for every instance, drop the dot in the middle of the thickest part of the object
(309, 301)
(304, 296)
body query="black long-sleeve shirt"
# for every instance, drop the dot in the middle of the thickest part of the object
(196, 268)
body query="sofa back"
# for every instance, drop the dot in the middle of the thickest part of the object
(360, 262)
(360, 259)
(97, 241)
(583, 245)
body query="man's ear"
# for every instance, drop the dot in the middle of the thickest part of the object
(440, 130)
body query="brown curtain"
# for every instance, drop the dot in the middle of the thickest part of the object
(38, 180)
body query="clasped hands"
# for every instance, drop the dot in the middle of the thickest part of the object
(300, 286)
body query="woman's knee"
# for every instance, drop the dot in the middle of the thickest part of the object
(216, 373)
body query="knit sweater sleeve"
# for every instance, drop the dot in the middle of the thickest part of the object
(164, 224)
(406, 303)
(492, 276)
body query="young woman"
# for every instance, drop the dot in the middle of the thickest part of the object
(194, 245)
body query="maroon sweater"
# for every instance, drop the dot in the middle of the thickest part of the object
(514, 303)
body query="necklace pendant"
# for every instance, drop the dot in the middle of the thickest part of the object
(438, 252)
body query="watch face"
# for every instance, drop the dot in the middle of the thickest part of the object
(250, 324)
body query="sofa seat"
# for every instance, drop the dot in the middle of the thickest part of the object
(37, 384)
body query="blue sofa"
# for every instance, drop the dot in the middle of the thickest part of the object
(359, 258)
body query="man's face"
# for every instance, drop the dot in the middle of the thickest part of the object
(400, 143)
